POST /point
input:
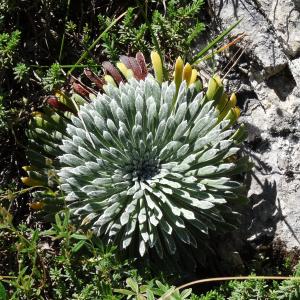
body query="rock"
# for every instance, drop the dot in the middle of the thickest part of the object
(285, 17)
(261, 41)
(273, 145)
(268, 88)
(295, 69)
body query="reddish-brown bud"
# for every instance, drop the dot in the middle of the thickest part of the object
(80, 89)
(141, 61)
(94, 78)
(131, 63)
(53, 102)
(110, 68)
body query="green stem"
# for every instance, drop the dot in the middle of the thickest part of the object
(154, 39)
(63, 66)
(214, 42)
(84, 55)
(63, 37)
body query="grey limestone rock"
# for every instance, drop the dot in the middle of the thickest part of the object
(261, 41)
(295, 69)
(285, 17)
(269, 94)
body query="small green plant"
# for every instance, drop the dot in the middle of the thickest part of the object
(135, 291)
(54, 78)
(256, 288)
(20, 71)
(152, 290)
(8, 47)
(59, 263)
(70, 27)
(170, 25)
(288, 289)
(211, 295)
(248, 290)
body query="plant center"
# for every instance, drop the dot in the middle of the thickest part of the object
(143, 169)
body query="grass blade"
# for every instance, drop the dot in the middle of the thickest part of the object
(221, 49)
(215, 41)
(84, 55)
(64, 34)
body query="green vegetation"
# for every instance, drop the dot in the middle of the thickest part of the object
(174, 24)
(41, 41)
(256, 289)
(60, 263)
(169, 159)
(64, 262)
(8, 48)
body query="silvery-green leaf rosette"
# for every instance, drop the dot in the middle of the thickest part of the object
(142, 163)
(148, 164)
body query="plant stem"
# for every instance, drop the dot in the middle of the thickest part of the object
(154, 39)
(214, 42)
(83, 56)
(64, 66)
(64, 34)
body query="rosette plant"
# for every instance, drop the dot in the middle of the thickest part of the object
(145, 162)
